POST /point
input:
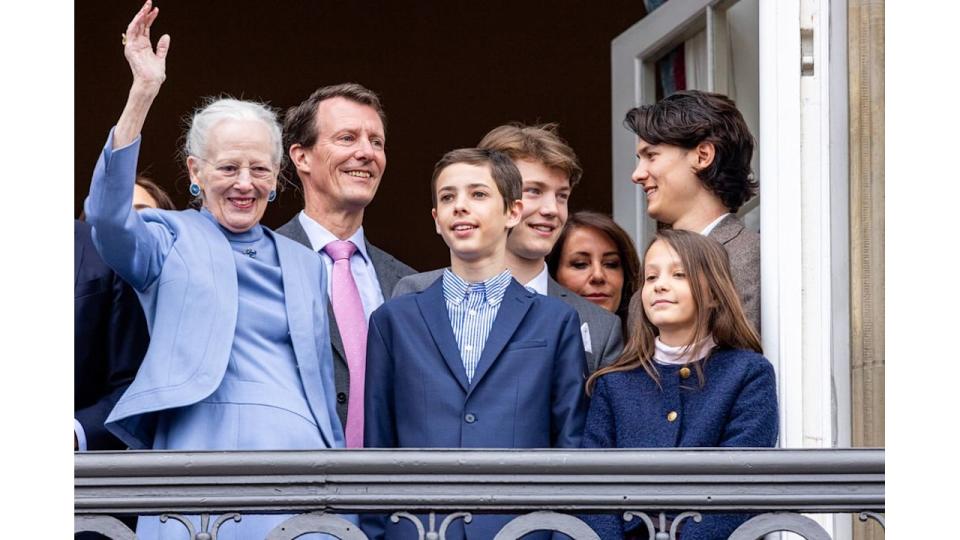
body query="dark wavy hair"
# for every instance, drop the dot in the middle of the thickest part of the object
(690, 117)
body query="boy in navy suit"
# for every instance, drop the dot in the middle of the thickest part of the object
(475, 360)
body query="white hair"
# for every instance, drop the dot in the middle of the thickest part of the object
(216, 110)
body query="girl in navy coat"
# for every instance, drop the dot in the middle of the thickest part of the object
(691, 375)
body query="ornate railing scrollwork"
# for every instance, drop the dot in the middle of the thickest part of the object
(206, 532)
(432, 534)
(756, 527)
(545, 489)
(571, 526)
(879, 518)
(661, 533)
(316, 522)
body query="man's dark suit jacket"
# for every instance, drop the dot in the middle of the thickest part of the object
(110, 338)
(527, 391)
(389, 271)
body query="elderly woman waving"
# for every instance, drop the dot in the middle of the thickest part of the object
(239, 356)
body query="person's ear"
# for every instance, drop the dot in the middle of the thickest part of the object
(193, 169)
(514, 212)
(299, 157)
(704, 154)
(433, 212)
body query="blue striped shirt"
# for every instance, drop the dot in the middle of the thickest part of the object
(472, 307)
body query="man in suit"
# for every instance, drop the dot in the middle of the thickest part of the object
(476, 360)
(336, 140)
(693, 161)
(550, 170)
(109, 341)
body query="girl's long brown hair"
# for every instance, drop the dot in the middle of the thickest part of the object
(717, 307)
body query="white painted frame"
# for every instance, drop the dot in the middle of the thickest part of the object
(805, 212)
(633, 81)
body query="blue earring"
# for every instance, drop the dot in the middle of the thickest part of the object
(272, 196)
(195, 190)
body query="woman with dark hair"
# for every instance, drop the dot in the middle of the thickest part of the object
(595, 258)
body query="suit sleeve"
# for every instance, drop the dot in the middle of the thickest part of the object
(614, 345)
(569, 404)
(599, 431)
(129, 245)
(754, 421)
(379, 424)
(404, 286)
(124, 344)
(745, 270)
(326, 364)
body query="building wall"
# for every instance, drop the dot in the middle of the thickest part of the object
(447, 73)
(866, 70)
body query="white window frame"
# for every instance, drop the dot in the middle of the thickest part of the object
(804, 217)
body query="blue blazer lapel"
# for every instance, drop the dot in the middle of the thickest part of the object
(300, 319)
(433, 309)
(515, 304)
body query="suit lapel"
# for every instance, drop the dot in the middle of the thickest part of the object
(335, 340)
(294, 231)
(433, 308)
(554, 289)
(516, 302)
(728, 229)
(386, 275)
(301, 323)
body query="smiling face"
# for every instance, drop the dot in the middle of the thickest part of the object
(342, 170)
(470, 213)
(668, 176)
(667, 296)
(545, 195)
(237, 172)
(590, 266)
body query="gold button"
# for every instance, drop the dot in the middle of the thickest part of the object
(671, 416)
(684, 372)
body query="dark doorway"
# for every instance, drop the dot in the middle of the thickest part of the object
(447, 73)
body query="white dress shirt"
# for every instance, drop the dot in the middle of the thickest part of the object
(712, 226)
(361, 266)
(539, 282)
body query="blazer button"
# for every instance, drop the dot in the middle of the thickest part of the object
(341, 398)
(470, 418)
(684, 372)
(671, 416)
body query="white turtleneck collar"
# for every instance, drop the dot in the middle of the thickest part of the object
(667, 355)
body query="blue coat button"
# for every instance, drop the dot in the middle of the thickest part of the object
(470, 418)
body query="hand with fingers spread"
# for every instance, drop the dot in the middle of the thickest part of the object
(149, 69)
(148, 66)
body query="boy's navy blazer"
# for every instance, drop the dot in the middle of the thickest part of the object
(527, 391)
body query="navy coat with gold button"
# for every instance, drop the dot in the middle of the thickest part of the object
(736, 407)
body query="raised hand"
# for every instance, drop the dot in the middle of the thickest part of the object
(148, 67)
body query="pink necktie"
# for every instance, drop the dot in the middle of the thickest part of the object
(352, 323)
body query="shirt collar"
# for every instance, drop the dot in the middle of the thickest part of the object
(319, 236)
(456, 289)
(668, 354)
(539, 282)
(709, 228)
